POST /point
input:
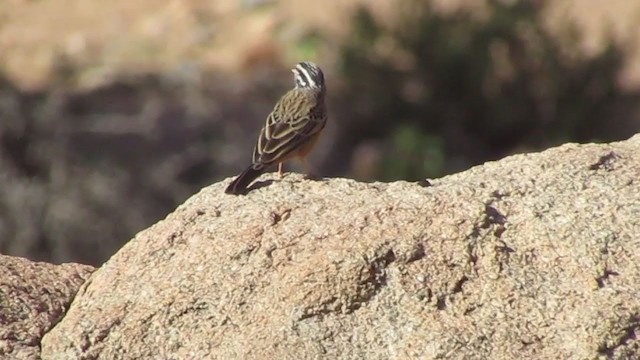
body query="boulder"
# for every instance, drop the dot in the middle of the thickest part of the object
(33, 297)
(533, 256)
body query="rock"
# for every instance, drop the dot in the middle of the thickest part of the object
(33, 298)
(533, 256)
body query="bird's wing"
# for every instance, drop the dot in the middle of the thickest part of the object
(293, 121)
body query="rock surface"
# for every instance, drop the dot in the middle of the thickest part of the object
(534, 256)
(33, 298)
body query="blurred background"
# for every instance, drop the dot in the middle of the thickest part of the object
(113, 113)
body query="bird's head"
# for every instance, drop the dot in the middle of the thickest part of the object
(308, 75)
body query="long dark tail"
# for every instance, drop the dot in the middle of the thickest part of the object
(239, 184)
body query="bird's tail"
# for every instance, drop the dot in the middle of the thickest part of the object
(239, 184)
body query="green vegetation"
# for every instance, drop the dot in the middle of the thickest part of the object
(475, 87)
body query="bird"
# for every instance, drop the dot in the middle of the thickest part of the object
(292, 128)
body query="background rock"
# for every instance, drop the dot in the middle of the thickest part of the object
(534, 256)
(33, 297)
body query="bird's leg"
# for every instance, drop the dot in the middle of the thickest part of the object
(308, 170)
(280, 174)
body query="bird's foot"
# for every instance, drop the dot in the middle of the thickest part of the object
(280, 172)
(312, 176)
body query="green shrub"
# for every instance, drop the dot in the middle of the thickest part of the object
(474, 87)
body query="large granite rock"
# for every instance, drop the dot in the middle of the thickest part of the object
(533, 256)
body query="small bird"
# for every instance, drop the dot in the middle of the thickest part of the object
(292, 128)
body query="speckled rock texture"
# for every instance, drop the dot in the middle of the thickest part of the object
(533, 256)
(33, 297)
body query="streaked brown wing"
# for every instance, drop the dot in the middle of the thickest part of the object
(291, 123)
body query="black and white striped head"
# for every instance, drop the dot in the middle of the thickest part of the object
(308, 75)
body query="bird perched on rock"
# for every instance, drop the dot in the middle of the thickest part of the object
(292, 128)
